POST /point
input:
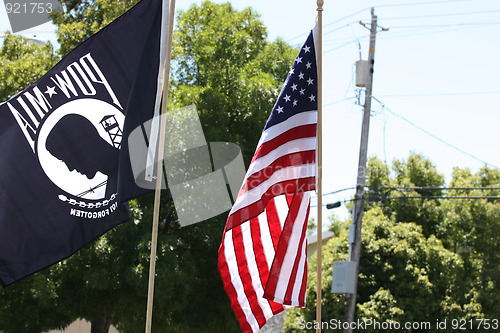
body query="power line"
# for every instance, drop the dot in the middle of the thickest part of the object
(441, 15)
(444, 94)
(434, 136)
(431, 31)
(381, 197)
(411, 188)
(479, 226)
(342, 190)
(419, 3)
(339, 28)
(426, 30)
(488, 22)
(368, 8)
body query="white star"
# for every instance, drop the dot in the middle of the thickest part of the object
(50, 91)
(308, 65)
(292, 71)
(295, 102)
(310, 81)
(301, 76)
(298, 60)
(294, 87)
(306, 49)
(279, 109)
(312, 98)
(287, 98)
(302, 91)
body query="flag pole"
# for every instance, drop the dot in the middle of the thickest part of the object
(159, 163)
(319, 241)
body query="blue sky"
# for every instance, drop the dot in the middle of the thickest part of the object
(436, 68)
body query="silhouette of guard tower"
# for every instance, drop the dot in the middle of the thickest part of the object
(111, 126)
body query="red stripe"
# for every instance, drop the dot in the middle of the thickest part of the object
(299, 132)
(258, 250)
(270, 288)
(245, 276)
(253, 210)
(302, 292)
(231, 291)
(261, 261)
(293, 159)
(273, 222)
(293, 276)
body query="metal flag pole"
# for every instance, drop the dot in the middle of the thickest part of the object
(319, 60)
(159, 162)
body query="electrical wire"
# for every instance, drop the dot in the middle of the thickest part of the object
(441, 15)
(479, 226)
(443, 94)
(433, 136)
(411, 188)
(426, 26)
(430, 31)
(419, 3)
(381, 197)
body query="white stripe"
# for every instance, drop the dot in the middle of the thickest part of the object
(290, 147)
(299, 119)
(302, 262)
(232, 265)
(254, 270)
(266, 239)
(300, 272)
(281, 208)
(292, 251)
(289, 173)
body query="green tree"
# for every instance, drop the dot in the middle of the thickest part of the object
(223, 63)
(33, 305)
(471, 228)
(414, 205)
(404, 277)
(22, 62)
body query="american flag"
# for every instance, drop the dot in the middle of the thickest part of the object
(263, 254)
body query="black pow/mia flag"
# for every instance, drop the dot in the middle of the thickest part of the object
(65, 171)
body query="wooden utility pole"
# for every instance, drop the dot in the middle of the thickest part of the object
(355, 247)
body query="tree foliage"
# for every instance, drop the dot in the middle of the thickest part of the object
(22, 61)
(471, 227)
(415, 172)
(223, 63)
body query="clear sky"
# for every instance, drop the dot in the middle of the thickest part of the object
(436, 68)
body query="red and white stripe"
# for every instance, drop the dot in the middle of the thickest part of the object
(262, 258)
